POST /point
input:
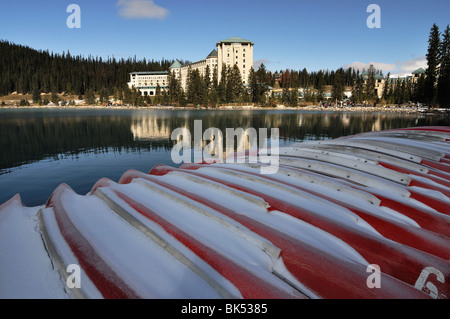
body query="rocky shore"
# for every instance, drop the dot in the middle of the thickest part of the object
(385, 109)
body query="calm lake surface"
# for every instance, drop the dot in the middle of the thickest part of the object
(42, 148)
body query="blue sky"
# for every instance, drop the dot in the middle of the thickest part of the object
(294, 34)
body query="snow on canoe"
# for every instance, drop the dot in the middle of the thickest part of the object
(364, 216)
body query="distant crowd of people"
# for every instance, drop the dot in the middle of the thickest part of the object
(346, 103)
(326, 104)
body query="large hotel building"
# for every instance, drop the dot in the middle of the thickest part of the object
(233, 51)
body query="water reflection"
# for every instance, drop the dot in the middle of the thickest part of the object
(27, 136)
(80, 146)
(149, 128)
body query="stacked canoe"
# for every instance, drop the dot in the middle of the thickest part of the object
(365, 216)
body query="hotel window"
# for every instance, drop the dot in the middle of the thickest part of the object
(243, 67)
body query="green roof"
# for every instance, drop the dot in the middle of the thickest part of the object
(175, 65)
(235, 40)
(150, 72)
(213, 54)
(419, 71)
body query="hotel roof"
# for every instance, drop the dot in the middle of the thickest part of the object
(235, 40)
(149, 72)
(175, 65)
(213, 54)
(419, 71)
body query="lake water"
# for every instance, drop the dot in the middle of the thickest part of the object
(42, 148)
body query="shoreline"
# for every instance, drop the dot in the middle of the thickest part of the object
(368, 109)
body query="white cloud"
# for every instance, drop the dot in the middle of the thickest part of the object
(141, 9)
(377, 65)
(399, 69)
(414, 64)
(407, 67)
(257, 63)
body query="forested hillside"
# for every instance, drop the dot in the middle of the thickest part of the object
(25, 70)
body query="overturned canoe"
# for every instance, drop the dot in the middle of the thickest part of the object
(365, 216)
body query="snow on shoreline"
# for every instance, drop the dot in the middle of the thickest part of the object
(371, 109)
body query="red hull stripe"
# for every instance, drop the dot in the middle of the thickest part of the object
(403, 263)
(107, 282)
(314, 269)
(248, 284)
(439, 166)
(399, 169)
(408, 235)
(443, 129)
(427, 220)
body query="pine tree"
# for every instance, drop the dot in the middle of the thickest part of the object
(222, 87)
(118, 95)
(165, 98)
(387, 86)
(207, 78)
(419, 92)
(304, 78)
(338, 86)
(23, 69)
(369, 90)
(36, 96)
(190, 90)
(127, 96)
(89, 97)
(320, 85)
(194, 87)
(104, 98)
(256, 87)
(433, 57)
(174, 88)
(234, 84)
(358, 89)
(293, 97)
(444, 72)
(213, 96)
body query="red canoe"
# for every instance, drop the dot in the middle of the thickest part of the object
(365, 216)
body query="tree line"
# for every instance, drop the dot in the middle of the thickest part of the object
(25, 70)
(29, 71)
(435, 87)
(206, 88)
